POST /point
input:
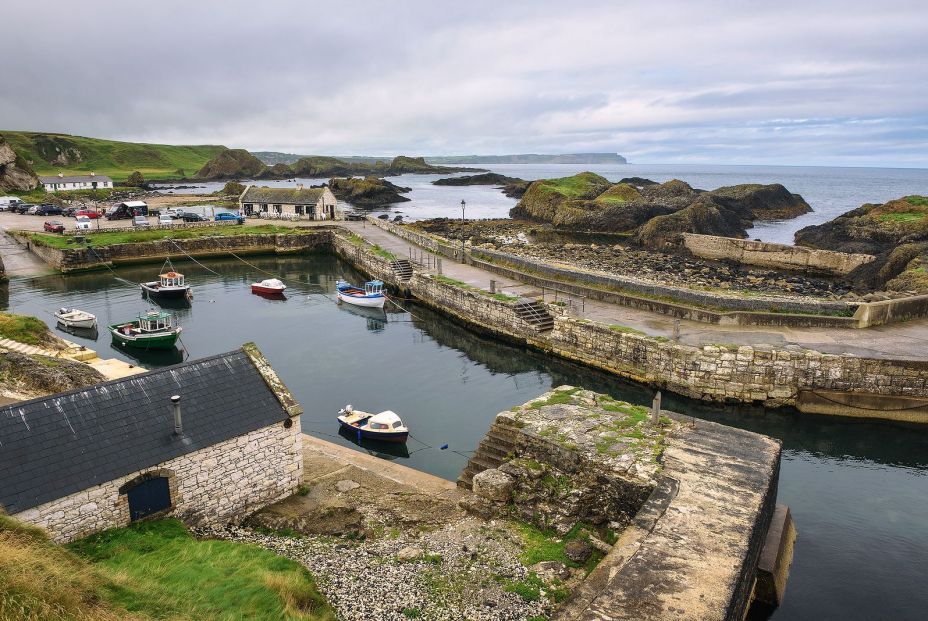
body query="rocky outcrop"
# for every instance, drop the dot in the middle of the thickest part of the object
(403, 164)
(369, 192)
(277, 171)
(705, 215)
(232, 164)
(762, 202)
(41, 375)
(896, 232)
(15, 173)
(511, 186)
(562, 202)
(322, 166)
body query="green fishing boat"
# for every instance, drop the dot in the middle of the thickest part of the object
(152, 330)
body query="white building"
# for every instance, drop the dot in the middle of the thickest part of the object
(92, 181)
(298, 203)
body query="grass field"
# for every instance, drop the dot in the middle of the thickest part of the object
(24, 329)
(108, 157)
(127, 237)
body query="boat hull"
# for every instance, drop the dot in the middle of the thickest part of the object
(155, 290)
(261, 290)
(154, 341)
(373, 301)
(368, 434)
(82, 324)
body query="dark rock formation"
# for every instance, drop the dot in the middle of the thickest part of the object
(232, 164)
(277, 171)
(763, 202)
(563, 202)
(896, 232)
(705, 215)
(638, 182)
(511, 186)
(15, 173)
(369, 192)
(403, 164)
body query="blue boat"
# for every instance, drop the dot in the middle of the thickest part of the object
(371, 295)
(385, 426)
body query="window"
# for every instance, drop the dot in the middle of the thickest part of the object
(299, 210)
(264, 207)
(277, 209)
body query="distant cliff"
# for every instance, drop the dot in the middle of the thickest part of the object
(531, 158)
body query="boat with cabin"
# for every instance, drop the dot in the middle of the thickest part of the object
(151, 330)
(75, 318)
(371, 296)
(170, 284)
(385, 426)
(269, 286)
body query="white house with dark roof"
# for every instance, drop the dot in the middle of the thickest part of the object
(290, 203)
(92, 181)
(208, 441)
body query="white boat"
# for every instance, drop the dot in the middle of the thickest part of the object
(385, 426)
(270, 286)
(371, 295)
(75, 318)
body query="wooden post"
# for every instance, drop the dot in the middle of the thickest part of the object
(656, 408)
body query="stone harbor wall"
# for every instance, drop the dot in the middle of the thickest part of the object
(681, 509)
(222, 483)
(776, 256)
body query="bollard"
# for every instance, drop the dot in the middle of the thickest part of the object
(656, 408)
(676, 330)
(492, 286)
(438, 261)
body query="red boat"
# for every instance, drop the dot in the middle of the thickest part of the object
(271, 286)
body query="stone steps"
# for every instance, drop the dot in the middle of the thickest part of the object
(495, 448)
(534, 314)
(402, 268)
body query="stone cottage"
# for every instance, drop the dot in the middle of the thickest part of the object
(60, 181)
(297, 203)
(210, 440)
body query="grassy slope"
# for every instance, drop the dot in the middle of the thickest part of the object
(126, 237)
(585, 185)
(24, 329)
(151, 570)
(110, 157)
(158, 568)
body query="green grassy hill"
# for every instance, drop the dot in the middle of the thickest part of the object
(50, 154)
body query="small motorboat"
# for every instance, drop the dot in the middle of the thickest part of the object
(170, 284)
(385, 426)
(371, 295)
(152, 330)
(270, 286)
(75, 318)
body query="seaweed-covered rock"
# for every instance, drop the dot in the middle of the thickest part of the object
(762, 202)
(369, 192)
(562, 201)
(705, 215)
(511, 186)
(619, 193)
(230, 164)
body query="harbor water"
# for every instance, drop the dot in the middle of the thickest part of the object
(858, 489)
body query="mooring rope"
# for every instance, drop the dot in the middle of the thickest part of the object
(192, 259)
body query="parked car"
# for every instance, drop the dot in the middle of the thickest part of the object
(126, 210)
(48, 210)
(93, 214)
(33, 209)
(83, 223)
(193, 217)
(174, 212)
(228, 215)
(54, 226)
(67, 212)
(141, 222)
(22, 207)
(165, 220)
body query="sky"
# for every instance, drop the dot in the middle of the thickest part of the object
(737, 82)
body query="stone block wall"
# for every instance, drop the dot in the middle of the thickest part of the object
(222, 483)
(777, 256)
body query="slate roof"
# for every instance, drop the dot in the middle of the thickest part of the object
(61, 444)
(282, 196)
(75, 179)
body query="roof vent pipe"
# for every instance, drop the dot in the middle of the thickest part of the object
(178, 426)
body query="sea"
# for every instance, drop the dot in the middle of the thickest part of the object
(830, 191)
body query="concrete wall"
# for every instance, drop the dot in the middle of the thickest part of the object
(221, 483)
(891, 311)
(777, 256)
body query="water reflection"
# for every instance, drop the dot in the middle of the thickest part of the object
(383, 450)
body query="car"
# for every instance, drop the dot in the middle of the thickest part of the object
(165, 220)
(82, 223)
(54, 226)
(228, 215)
(48, 210)
(93, 214)
(33, 209)
(174, 213)
(193, 217)
(140, 221)
(23, 207)
(68, 211)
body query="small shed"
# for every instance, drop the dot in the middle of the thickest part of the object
(210, 440)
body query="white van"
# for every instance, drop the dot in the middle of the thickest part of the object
(165, 219)
(7, 202)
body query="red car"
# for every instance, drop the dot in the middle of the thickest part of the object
(90, 213)
(54, 226)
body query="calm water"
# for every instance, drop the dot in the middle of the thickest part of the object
(858, 490)
(830, 191)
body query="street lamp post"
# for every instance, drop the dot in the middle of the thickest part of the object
(462, 232)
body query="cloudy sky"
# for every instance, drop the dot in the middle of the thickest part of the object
(810, 82)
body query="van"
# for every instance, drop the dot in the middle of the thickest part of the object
(9, 202)
(127, 210)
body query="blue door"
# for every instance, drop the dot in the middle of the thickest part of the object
(149, 497)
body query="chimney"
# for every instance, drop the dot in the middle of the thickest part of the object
(178, 426)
